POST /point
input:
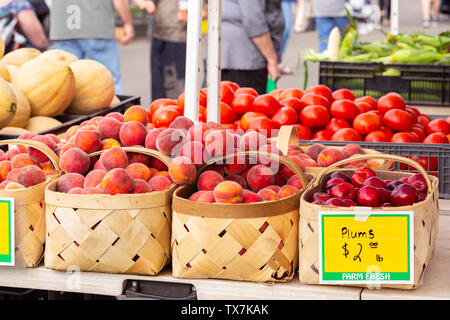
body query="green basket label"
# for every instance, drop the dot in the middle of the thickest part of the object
(7, 232)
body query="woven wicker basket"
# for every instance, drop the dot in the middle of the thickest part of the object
(252, 242)
(125, 233)
(426, 221)
(29, 203)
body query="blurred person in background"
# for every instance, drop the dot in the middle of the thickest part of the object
(329, 14)
(287, 8)
(385, 12)
(28, 22)
(430, 12)
(86, 28)
(252, 36)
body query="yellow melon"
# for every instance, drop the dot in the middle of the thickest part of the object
(23, 112)
(13, 131)
(12, 70)
(2, 47)
(94, 87)
(114, 101)
(20, 56)
(4, 73)
(40, 123)
(8, 104)
(49, 86)
(58, 54)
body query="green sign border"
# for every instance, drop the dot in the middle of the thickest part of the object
(336, 277)
(8, 259)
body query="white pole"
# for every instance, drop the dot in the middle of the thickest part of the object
(214, 59)
(193, 58)
(394, 17)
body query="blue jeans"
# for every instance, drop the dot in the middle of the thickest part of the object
(286, 7)
(104, 51)
(324, 27)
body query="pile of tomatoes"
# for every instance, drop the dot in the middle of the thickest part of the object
(317, 112)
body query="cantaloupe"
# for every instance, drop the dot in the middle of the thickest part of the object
(23, 112)
(94, 87)
(19, 56)
(49, 86)
(40, 123)
(58, 54)
(8, 104)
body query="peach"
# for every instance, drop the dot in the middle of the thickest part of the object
(135, 157)
(164, 174)
(159, 183)
(203, 196)
(259, 177)
(11, 153)
(329, 156)
(208, 180)
(157, 164)
(139, 171)
(21, 160)
(267, 194)
(150, 139)
(132, 133)
(169, 141)
(109, 128)
(94, 121)
(294, 149)
(97, 165)
(47, 167)
(198, 132)
(194, 150)
(69, 181)
(239, 179)
(109, 143)
(76, 190)
(114, 158)
(218, 168)
(218, 142)
(70, 132)
(31, 176)
(11, 186)
(115, 115)
(252, 141)
(5, 168)
(117, 181)
(88, 140)
(136, 113)
(182, 170)
(287, 191)
(182, 122)
(287, 172)
(314, 150)
(295, 181)
(228, 192)
(279, 180)
(86, 191)
(310, 163)
(38, 156)
(12, 175)
(74, 160)
(94, 178)
(66, 147)
(25, 136)
(353, 148)
(251, 197)
(274, 187)
(235, 165)
(141, 186)
(53, 137)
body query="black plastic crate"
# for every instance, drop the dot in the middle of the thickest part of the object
(418, 84)
(436, 155)
(69, 120)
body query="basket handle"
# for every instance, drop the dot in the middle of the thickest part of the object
(280, 158)
(393, 158)
(150, 152)
(54, 159)
(287, 136)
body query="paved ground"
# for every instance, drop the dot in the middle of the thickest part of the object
(135, 57)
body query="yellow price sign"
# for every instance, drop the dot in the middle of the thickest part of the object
(378, 249)
(6, 232)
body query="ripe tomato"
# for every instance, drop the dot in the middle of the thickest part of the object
(202, 114)
(418, 129)
(413, 110)
(245, 119)
(404, 137)
(387, 131)
(158, 103)
(263, 125)
(323, 135)
(266, 104)
(341, 94)
(312, 99)
(276, 93)
(294, 103)
(227, 115)
(377, 136)
(335, 124)
(202, 99)
(399, 120)
(448, 119)
(321, 90)
(344, 109)
(423, 120)
(390, 101)
(304, 133)
(367, 122)
(347, 134)
(436, 137)
(242, 103)
(369, 100)
(246, 90)
(164, 116)
(363, 107)
(291, 93)
(429, 164)
(232, 84)
(226, 93)
(438, 125)
(285, 116)
(314, 116)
